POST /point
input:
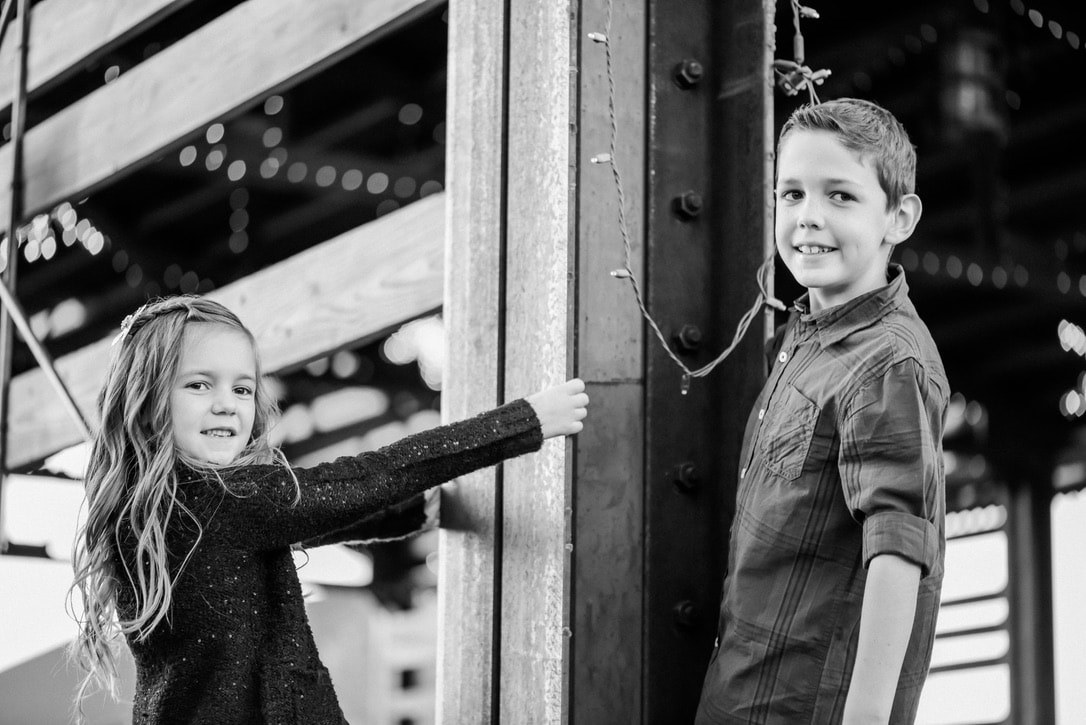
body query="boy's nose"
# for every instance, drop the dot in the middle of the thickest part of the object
(810, 214)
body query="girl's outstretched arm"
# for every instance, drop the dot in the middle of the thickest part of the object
(561, 408)
(267, 507)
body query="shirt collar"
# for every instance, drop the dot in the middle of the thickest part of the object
(838, 322)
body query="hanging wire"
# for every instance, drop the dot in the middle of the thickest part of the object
(795, 75)
(626, 272)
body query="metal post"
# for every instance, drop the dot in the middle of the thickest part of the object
(18, 113)
(709, 226)
(1029, 530)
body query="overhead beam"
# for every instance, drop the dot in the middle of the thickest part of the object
(217, 71)
(66, 35)
(338, 294)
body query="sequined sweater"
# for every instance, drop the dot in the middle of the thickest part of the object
(237, 647)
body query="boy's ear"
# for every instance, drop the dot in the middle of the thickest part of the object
(905, 219)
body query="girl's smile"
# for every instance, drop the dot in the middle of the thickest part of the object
(213, 402)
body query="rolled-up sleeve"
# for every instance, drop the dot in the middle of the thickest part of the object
(891, 465)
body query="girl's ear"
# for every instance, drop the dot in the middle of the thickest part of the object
(905, 218)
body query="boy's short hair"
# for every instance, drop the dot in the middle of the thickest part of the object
(869, 130)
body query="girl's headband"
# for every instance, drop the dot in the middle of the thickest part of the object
(127, 324)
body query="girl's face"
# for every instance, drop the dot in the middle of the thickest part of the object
(213, 399)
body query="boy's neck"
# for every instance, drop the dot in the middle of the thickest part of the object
(816, 304)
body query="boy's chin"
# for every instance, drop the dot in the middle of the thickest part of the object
(810, 278)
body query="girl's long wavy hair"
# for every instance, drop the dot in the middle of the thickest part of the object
(132, 486)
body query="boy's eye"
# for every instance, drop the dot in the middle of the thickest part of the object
(841, 196)
(790, 194)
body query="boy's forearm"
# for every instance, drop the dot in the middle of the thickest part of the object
(886, 622)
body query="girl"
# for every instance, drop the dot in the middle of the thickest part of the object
(192, 513)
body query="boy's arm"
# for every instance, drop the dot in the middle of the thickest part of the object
(886, 623)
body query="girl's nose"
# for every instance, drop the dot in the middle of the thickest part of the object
(223, 403)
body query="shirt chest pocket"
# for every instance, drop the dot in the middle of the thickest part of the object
(789, 428)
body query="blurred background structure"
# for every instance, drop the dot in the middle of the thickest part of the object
(292, 158)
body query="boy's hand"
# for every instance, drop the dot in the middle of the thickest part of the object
(561, 408)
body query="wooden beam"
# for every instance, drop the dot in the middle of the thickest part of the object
(607, 647)
(254, 49)
(540, 226)
(335, 295)
(66, 35)
(469, 540)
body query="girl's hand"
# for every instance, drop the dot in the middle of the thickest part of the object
(561, 408)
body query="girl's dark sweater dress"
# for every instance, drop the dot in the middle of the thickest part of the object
(237, 647)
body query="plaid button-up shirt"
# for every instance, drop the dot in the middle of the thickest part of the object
(841, 462)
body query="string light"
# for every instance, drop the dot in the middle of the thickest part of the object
(325, 176)
(351, 179)
(273, 136)
(794, 75)
(410, 114)
(431, 186)
(215, 132)
(626, 272)
(377, 183)
(1037, 19)
(239, 220)
(236, 170)
(187, 156)
(914, 43)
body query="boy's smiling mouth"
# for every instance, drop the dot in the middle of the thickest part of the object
(813, 249)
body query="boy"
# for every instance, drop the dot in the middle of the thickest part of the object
(836, 556)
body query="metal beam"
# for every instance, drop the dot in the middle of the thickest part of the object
(709, 228)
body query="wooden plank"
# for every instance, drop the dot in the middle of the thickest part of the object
(256, 48)
(608, 564)
(337, 294)
(66, 35)
(535, 605)
(469, 508)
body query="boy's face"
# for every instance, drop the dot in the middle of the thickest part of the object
(213, 399)
(832, 224)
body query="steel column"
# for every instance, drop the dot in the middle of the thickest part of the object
(709, 227)
(7, 278)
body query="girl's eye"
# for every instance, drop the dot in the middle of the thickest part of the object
(197, 385)
(791, 195)
(242, 390)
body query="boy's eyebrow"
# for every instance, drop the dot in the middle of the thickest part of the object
(831, 182)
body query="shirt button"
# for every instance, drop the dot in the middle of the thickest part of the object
(761, 413)
(782, 357)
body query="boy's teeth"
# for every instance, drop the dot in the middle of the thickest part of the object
(809, 249)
